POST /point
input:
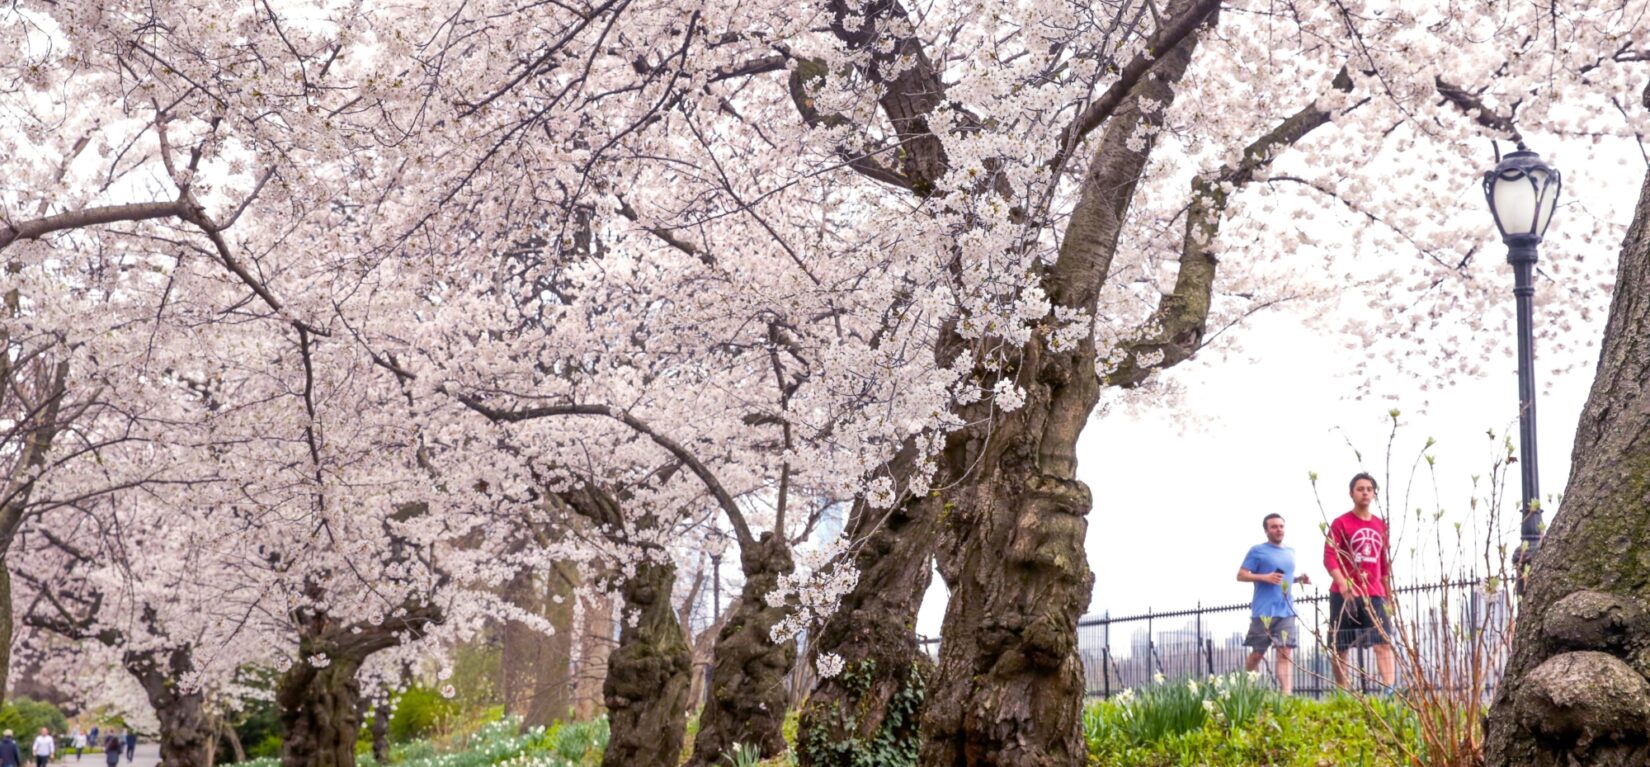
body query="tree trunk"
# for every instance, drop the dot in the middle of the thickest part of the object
(1575, 691)
(704, 650)
(186, 734)
(320, 713)
(536, 667)
(380, 729)
(552, 691)
(596, 644)
(6, 628)
(868, 713)
(747, 682)
(1009, 687)
(234, 739)
(647, 676)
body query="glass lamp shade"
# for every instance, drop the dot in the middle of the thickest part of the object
(1522, 191)
(716, 543)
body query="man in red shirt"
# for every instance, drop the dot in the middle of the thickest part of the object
(1355, 554)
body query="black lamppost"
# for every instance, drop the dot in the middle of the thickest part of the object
(1522, 191)
(715, 544)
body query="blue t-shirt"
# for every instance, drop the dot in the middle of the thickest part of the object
(1271, 600)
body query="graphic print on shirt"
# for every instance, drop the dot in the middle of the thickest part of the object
(1366, 545)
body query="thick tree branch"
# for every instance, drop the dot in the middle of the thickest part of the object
(34, 229)
(1179, 325)
(1167, 37)
(1474, 107)
(735, 517)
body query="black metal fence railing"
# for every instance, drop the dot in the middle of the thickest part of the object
(1445, 630)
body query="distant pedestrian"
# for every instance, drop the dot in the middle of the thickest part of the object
(1271, 567)
(1355, 554)
(92, 738)
(10, 754)
(131, 744)
(111, 749)
(77, 739)
(45, 747)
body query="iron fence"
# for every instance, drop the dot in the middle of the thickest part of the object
(1454, 632)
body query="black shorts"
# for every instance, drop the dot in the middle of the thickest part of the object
(1358, 622)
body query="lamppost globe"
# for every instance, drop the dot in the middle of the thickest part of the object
(1523, 193)
(715, 544)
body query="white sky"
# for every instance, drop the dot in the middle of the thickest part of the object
(1179, 492)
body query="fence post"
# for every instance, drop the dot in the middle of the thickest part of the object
(1151, 646)
(1105, 670)
(1199, 640)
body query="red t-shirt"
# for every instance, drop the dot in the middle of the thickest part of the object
(1357, 547)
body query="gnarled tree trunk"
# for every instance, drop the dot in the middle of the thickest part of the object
(1009, 687)
(1576, 690)
(648, 676)
(869, 713)
(186, 734)
(320, 713)
(747, 682)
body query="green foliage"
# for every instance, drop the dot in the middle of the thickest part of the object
(268, 747)
(419, 712)
(1232, 721)
(258, 723)
(24, 717)
(477, 666)
(895, 742)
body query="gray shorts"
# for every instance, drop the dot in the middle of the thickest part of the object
(1266, 633)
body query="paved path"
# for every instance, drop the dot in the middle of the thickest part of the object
(148, 755)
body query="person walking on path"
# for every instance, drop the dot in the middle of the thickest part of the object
(45, 747)
(10, 754)
(1271, 567)
(131, 744)
(1355, 554)
(92, 738)
(77, 739)
(112, 747)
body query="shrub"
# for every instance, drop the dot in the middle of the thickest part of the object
(419, 712)
(25, 717)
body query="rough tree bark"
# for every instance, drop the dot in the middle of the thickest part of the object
(872, 709)
(1009, 687)
(318, 697)
(320, 703)
(320, 712)
(648, 676)
(747, 683)
(186, 734)
(1576, 690)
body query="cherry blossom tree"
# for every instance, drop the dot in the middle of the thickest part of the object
(439, 266)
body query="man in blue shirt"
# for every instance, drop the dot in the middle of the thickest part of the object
(1271, 567)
